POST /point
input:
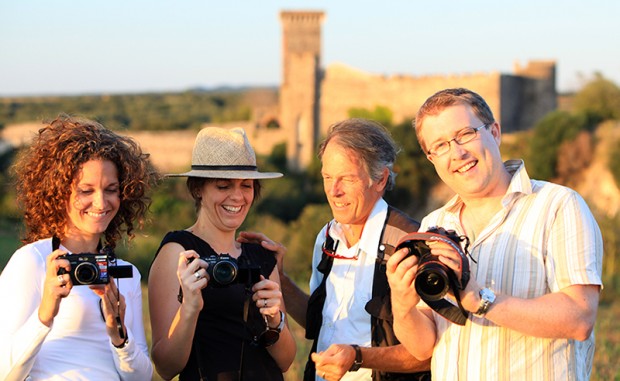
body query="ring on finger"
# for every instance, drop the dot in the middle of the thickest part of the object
(197, 275)
(323, 375)
(61, 280)
(264, 303)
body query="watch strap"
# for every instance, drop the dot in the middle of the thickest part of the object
(357, 363)
(485, 302)
(122, 345)
(280, 326)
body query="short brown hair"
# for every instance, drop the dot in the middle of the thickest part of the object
(451, 97)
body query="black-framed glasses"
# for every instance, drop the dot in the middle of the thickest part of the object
(465, 135)
(268, 337)
(330, 246)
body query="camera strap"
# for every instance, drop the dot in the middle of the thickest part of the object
(56, 244)
(416, 242)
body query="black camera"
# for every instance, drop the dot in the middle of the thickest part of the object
(91, 268)
(433, 278)
(225, 270)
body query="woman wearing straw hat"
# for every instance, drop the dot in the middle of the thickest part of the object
(216, 308)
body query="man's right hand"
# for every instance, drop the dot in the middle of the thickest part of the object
(401, 270)
(264, 241)
(335, 362)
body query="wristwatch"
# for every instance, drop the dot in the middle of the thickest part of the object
(357, 363)
(487, 297)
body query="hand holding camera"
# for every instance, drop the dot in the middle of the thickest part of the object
(112, 307)
(93, 268)
(219, 271)
(268, 299)
(433, 278)
(225, 270)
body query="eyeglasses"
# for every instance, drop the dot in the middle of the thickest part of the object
(330, 246)
(268, 337)
(465, 135)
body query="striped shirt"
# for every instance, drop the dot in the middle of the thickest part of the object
(543, 240)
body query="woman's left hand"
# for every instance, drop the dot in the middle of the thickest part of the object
(113, 310)
(268, 297)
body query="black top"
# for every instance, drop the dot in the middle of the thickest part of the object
(221, 331)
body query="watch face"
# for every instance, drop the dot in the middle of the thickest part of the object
(487, 294)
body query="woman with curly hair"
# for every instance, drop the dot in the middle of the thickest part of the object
(81, 187)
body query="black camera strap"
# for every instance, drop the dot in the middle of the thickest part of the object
(56, 245)
(416, 242)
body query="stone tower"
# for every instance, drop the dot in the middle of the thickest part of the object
(299, 91)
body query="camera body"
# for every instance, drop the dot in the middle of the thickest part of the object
(93, 268)
(433, 278)
(225, 270)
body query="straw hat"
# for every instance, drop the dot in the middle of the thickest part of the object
(222, 153)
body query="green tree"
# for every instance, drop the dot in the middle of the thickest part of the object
(300, 240)
(614, 164)
(380, 114)
(149, 111)
(549, 133)
(415, 174)
(599, 99)
(8, 208)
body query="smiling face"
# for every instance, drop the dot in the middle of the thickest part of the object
(94, 201)
(226, 202)
(474, 169)
(349, 189)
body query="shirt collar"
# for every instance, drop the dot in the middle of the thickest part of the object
(520, 183)
(369, 241)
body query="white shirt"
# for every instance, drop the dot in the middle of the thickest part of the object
(349, 287)
(543, 240)
(76, 346)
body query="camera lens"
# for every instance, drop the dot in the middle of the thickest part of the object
(431, 281)
(86, 273)
(224, 272)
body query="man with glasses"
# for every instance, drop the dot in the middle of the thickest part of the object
(348, 314)
(536, 263)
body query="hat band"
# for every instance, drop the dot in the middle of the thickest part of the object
(224, 167)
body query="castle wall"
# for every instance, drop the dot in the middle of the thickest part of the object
(311, 99)
(528, 95)
(344, 88)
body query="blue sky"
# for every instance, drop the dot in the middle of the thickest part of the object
(117, 46)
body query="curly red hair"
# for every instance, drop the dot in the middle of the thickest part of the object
(47, 170)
